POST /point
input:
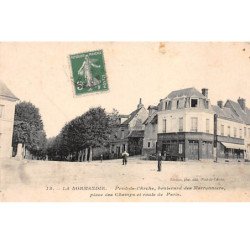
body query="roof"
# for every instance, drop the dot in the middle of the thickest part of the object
(151, 119)
(226, 113)
(131, 116)
(245, 116)
(136, 134)
(123, 116)
(189, 92)
(5, 92)
(153, 107)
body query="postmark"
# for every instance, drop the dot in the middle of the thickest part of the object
(88, 72)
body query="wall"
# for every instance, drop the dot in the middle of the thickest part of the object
(150, 135)
(173, 116)
(137, 122)
(6, 127)
(232, 125)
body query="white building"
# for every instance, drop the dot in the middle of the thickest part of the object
(7, 111)
(188, 127)
(243, 113)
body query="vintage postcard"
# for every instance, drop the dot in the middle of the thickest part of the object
(124, 121)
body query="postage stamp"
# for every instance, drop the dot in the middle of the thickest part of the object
(88, 72)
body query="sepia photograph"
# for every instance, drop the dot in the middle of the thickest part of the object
(124, 121)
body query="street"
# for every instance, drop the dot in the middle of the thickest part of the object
(109, 180)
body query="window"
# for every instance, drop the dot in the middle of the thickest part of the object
(166, 105)
(240, 133)
(1, 111)
(181, 124)
(207, 125)
(177, 104)
(194, 124)
(180, 148)
(235, 132)
(149, 144)
(228, 130)
(122, 136)
(164, 129)
(194, 103)
(222, 130)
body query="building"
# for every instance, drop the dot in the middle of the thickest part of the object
(128, 134)
(7, 112)
(186, 125)
(229, 139)
(242, 112)
(150, 133)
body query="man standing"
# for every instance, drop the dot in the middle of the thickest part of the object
(124, 158)
(159, 162)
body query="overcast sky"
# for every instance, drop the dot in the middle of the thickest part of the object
(40, 73)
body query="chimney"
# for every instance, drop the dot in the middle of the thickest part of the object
(140, 105)
(242, 103)
(220, 104)
(204, 92)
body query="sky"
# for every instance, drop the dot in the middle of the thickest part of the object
(40, 73)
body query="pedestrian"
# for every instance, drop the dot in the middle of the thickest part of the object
(124, 157)
(159, 162)
(101, 157)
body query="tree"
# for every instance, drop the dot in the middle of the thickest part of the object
(79, 136)
(96, 129)
(28, 129)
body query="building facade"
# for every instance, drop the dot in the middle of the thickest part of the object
(243, 113)
(150, 133)
(186, 125)
(129, 133)
(229, 142)
(7, 112)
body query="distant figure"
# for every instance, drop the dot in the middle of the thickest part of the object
(159, 162)
(124, 157)
(101, 157)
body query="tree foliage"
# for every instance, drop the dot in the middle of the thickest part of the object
(28, 128)
(92, 129)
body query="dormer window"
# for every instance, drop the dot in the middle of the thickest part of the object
(178, 104)
(194, 102)
(166, 105)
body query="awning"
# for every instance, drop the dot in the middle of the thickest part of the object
(233, 145)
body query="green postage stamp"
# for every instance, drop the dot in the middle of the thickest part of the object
(88, 72)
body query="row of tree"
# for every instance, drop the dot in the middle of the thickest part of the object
(75, 141)
(79, 136)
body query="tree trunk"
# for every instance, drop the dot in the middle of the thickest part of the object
(82, 155)
(86, 154)
(23, 151)
(79, 155)
(90, 153)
